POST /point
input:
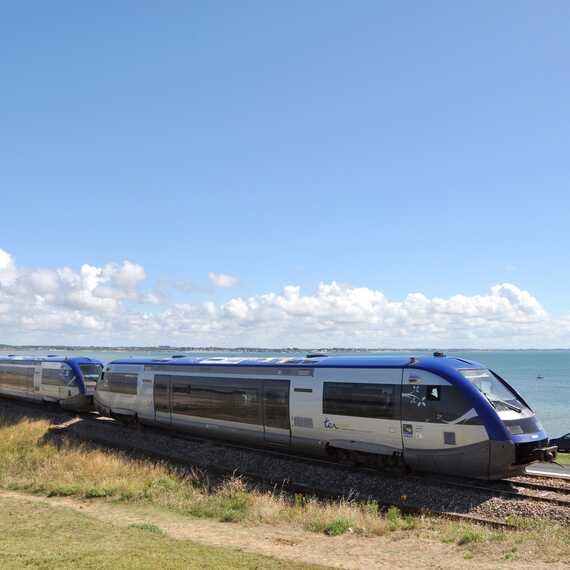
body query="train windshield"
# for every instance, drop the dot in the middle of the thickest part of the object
(91, 372)
(502, 398)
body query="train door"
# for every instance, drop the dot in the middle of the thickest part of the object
(276, 416)
(162, 397)
(423, 436)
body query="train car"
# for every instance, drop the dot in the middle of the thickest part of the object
(67, 381)
(429, 413)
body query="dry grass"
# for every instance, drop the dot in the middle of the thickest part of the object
(29, 464)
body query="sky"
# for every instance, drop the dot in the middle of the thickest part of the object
(370, 173)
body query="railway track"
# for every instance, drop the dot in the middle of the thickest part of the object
(514, 490)
(321, 477)
(564, 488)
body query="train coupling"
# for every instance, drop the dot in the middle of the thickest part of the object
(547, 454)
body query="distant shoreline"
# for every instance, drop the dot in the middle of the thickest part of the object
(165, 348)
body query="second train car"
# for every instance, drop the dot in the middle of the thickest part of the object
(68, 381)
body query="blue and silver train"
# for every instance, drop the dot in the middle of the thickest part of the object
(433, 414)
(69, 382)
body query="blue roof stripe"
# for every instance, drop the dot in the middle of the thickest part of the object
(22, 357)
(430, 363)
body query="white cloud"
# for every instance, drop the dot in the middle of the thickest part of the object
(105, 305)
(223, 280)
(37, 304)
(7, 268)
(126, 276)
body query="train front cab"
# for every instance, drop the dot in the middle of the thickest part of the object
(468, 422)
(519, 438)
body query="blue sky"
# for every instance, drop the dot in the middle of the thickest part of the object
(400, 147)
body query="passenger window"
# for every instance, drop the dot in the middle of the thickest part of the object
(361, 400)
(119, 383)
(53, 377)
(229, 399)
(433, 393)
(17, 377)
(226, 399)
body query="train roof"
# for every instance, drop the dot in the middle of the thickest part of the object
(47, 358)
(431, 363)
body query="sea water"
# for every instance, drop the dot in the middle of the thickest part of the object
(549, 396)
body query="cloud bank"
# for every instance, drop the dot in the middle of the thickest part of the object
(109, 305)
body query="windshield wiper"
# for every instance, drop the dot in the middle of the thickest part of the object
(496, 400)
(510, 406)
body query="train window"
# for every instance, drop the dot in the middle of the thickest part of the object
(236, 400)
(119, 383)
(437, 404)
(361, 400)
(249, 401)
(54, 377)
(276, 403)
(433, 393)
(498, 392)
(91, 372)
(181, 395)
(17, 377)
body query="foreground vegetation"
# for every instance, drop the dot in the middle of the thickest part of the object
(41, 536)
(29, 462)
(563, 458)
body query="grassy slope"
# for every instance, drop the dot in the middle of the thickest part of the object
(87, 473)
(28, 533)
(29, 462)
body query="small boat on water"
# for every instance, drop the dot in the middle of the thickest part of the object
(539, 377)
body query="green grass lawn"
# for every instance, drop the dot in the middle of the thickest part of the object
(35, 535)
(563, 458)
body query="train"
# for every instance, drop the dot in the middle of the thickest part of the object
(67, 381)
(435, 414)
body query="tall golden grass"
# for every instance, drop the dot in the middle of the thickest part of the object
(29, 462)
